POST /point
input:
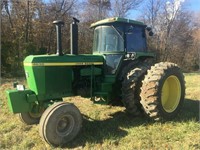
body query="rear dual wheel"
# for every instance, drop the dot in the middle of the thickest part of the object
(163, 91)
(131, 86)
(60, 123)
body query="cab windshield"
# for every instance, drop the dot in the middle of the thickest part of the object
(107, 39)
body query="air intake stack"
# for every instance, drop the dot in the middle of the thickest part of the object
(59, 24)
(74, 36)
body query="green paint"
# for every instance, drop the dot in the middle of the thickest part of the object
(144, 54)
(51, 76)
(19, 101)
(88, 71)
(55, 60)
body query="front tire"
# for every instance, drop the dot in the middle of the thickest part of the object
(163, 91)
(29, 118)
(60, 123)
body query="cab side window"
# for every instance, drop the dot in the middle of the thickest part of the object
(135, 39)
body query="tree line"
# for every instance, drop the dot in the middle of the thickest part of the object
(27, 29)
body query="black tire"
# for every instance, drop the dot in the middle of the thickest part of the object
(29, 118)
(132, 81)
(163, 91)
(60, 123)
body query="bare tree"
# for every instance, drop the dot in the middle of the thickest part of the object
(152, 15)
(195, 51)
(61, 8)
(121, 8)
(151, 11)
(96, 10)
(172, 25)
(6, 4)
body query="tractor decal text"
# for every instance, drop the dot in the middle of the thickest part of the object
(64, 64)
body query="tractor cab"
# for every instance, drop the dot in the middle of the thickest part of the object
(118, 38)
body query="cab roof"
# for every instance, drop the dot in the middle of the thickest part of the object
(115, 20)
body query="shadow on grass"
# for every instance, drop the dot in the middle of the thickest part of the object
(113, 129)
(97, 131)
(189, 111)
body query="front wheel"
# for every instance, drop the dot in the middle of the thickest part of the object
(60, 123)
(163, 91)
(29, 118)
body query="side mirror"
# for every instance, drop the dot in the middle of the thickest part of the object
(150, 33)
(149, 29)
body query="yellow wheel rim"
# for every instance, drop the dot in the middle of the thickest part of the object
(171, 94)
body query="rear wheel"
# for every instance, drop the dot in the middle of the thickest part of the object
(163, 91)
(60, 123)
(132, 81)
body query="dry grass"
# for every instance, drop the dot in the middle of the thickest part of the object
(107, 127)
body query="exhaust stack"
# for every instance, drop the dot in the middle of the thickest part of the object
(74, 36)
(59, 24)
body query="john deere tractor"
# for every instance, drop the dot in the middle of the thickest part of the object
(119, 69)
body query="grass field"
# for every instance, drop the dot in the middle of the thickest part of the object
(108, 127)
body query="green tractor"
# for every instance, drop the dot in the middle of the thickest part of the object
(119, 70)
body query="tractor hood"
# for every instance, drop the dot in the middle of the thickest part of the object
(47, 74)
(66, 60)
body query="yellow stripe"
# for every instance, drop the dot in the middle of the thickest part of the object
(64, 64)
